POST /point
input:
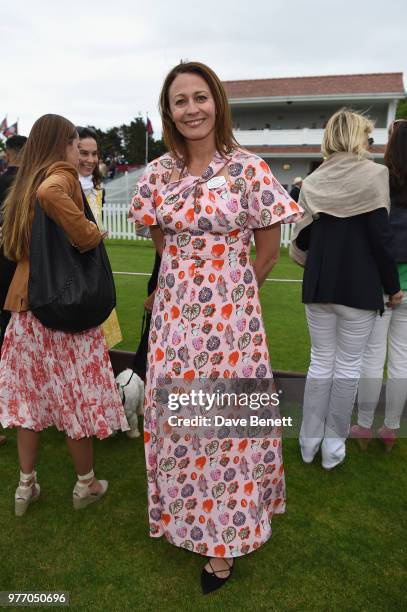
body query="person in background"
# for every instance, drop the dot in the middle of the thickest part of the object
(14, 146)
(344, 241)
(49, 377)
(389, 334)
(296, 188)
(89, 173)
(102, 169)
(111, 172)
(91, 182)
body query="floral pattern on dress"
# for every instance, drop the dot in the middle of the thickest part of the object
(216, 498)
(50, 377)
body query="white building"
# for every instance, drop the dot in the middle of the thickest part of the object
(283, 119)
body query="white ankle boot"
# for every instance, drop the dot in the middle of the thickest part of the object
(333, 452)
(309, 448)
(82, 494)
(27, 492)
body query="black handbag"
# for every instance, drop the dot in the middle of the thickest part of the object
(67, 290)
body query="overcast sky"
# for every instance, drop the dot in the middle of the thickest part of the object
(101, 63)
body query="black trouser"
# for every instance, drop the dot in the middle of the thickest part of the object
(4, 320)
(7, 269)
(140, 359)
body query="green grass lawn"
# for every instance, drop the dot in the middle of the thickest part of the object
(341, 545)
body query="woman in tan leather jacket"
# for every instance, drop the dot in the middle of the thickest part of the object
(50, 377)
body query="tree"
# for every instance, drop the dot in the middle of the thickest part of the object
(402, 110)
(156, 149)
(128, 141)
(110, 142)
(134, 141)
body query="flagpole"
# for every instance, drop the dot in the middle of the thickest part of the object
(146, 140)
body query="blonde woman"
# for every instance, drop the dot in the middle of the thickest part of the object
(344, 243)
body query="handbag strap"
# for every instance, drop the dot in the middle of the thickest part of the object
(143, 323)
(87, 209)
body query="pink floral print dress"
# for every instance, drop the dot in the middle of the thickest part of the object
(215, 499)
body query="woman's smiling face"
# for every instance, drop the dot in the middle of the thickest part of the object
(192, 106)
(88, 156)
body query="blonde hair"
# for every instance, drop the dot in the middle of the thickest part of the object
(346, 132)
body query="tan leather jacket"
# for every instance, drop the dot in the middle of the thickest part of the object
(60, 197)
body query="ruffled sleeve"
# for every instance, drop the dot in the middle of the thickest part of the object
(146, 197)
(269, 203)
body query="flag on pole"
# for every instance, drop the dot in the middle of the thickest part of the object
(12, 130)
(149, 127)
(3, 125)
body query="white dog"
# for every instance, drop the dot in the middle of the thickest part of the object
(131, 389)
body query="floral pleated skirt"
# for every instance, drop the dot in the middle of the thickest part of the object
(53, 378)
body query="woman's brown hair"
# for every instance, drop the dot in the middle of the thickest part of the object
(395, 158)
(175, 142)
(49, 137)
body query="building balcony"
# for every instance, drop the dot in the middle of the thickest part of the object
(288, 138)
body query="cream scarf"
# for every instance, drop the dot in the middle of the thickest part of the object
(87, 183)
(343, 186)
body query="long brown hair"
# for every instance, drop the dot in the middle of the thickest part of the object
(175, 142)
(49, 137)
(395, 158)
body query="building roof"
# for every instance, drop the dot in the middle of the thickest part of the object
(386, 82)
(285, 150)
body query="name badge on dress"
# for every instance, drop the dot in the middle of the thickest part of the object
(215, 182)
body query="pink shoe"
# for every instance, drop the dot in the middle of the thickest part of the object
(362, 435)
(388, 437)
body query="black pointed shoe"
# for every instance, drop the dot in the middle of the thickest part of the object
(211, 581)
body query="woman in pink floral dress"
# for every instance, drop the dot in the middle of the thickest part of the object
(203, 202)
(50, 377)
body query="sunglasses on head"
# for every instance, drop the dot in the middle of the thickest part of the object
(85, 130)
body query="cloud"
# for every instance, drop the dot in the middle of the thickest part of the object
(102, 63)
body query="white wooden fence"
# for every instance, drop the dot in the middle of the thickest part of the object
(286, 231)
(116, 223)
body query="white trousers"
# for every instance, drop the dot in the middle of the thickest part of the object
(339, 335)
(389, 335)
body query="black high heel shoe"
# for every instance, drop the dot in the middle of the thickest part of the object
(210, 581)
